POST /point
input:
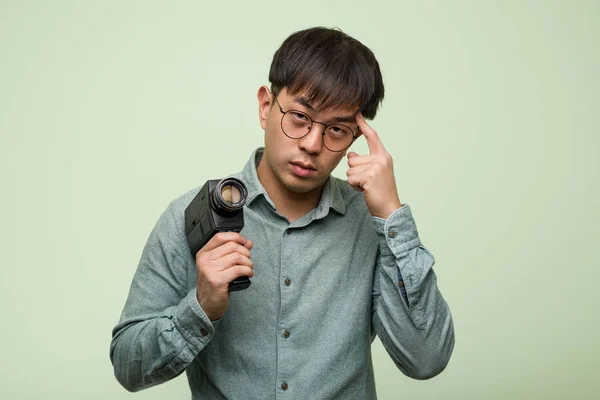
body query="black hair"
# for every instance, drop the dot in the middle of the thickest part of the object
(329, 68)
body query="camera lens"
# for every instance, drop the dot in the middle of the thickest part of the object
(229, 195)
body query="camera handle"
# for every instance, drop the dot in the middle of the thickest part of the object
(239, 283)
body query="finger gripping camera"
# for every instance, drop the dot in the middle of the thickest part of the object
(218, 207)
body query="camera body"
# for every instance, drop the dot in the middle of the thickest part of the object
(218, 207)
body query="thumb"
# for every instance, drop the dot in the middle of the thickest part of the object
(351, 154)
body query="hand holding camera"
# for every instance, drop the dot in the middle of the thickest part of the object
(225, 258)
(213, 221)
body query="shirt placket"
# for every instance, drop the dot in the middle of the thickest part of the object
(285, 334)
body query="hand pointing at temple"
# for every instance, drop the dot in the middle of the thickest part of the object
(373, 174)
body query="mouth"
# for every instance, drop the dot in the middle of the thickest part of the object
(304, 165)
(302, 169)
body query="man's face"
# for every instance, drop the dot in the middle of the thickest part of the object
(298, 165)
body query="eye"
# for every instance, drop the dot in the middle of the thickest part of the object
(338, 131)
(299, 116)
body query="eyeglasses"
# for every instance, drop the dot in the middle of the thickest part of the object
(296, 124)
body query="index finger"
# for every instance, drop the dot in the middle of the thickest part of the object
(373, 141)
(224, 237)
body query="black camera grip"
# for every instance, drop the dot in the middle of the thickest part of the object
(240, 283)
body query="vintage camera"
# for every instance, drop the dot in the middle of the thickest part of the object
(218, 207)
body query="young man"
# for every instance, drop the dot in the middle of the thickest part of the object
(333, 263)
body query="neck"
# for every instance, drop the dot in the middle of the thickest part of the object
(290, 204)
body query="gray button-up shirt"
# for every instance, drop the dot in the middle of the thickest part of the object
(324, 286)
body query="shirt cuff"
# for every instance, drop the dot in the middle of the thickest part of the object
(398, 233)
(192, 321)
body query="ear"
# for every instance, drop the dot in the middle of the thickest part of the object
(265, 99)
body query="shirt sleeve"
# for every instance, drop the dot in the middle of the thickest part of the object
(162, 327)
(410, 315)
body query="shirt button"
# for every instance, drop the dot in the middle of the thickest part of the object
(287, 282)
(204, 332)
(284, 386)
(392, 234)
(401, 283)
(288, 231)
(286, 334)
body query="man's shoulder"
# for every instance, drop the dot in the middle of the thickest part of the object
(180, 202)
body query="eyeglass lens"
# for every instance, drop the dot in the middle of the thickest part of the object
(296, 125)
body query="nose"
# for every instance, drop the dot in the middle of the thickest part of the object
(312, 143)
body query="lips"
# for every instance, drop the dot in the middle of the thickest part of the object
(302, 169)
(304, 165)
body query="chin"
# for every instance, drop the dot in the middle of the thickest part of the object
(301, 186)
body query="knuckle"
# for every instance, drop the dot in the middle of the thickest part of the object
(212, 280)
(231, 246)
(219, 235)
(238, 270)
(218, 239)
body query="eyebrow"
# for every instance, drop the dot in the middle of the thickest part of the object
(345, 118)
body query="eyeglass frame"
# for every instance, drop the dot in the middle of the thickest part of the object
(354, 134)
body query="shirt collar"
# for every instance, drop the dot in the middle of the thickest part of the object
(330, 198)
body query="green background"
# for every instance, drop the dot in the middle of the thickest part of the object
(110, 109)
